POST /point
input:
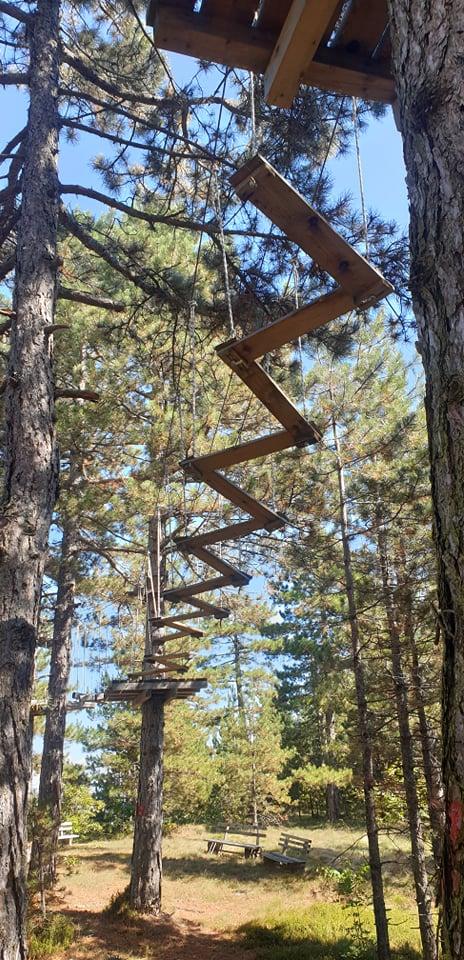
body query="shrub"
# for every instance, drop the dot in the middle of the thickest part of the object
(47, 936)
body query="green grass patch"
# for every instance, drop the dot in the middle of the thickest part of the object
(48, 936)
(329, 931)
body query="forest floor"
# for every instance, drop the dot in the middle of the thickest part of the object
(226, 907)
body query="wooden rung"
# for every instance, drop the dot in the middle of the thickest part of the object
(220, 613)
(187, 629)
(173, 621)
(166, 659)
(241, 499)
(269, 393)
(211, 560)
(302, 32)
(233, 532)
(243, 452)
(292, 326)
(205, 586)
(259, 182)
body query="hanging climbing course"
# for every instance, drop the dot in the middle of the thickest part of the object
(359, 285)
(340, 46)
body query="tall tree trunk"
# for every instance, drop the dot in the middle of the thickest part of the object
(375, 863)
(147, 862)
(238, 677)
(31, 466)
(423, 898)
(429, 741)
(51, 770)
(427, 60)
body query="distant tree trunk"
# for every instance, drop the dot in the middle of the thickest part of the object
(31, 466)
(147, 861)
(375, 863)
(51, 770)
(332, 797)
(423, 898)
(238, 677)
(429, 741)
(427, 61)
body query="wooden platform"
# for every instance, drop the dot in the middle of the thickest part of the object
(137, 691)
(336, 46)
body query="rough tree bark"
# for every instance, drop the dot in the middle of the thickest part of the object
(51, 770)
(147, 862)
(421, 882)
(427, 59)
(332, 794)
(375, 863)
(31, 466)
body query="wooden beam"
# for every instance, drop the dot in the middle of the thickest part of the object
(293, 325)
(238, 11)
(233, 532)
(270, 395)
(351, 75)
(252, 450)
(302, 32)
(174, 620)
(271, 193)
(187, 629)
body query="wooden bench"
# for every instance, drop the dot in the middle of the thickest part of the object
(293, 854)
(251, 848)
(65, 833)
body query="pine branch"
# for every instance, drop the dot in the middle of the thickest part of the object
(78, 296)
(11, 10)
(135, 144)
(71, 394)
(114, 90)
(151, 218)
(10, 79)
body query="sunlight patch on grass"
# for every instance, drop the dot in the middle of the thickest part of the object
(328, 931)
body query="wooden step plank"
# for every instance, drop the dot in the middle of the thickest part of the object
(237, 11)
(245, 501)
(204, 586)
(301, 34)
(234, 531)
(260, 182)
(211, 560)
(166, 658)
(270, 395)
(220, 613)
(252, 450)
(292, 325)
(187, 629)
(364, 28)
(174, 620)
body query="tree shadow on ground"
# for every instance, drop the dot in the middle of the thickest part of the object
(102, 937)
(225, 868)
(104, 860)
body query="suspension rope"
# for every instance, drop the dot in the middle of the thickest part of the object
(254, 133)
(225, 266)
(193, 370)
(360, 175)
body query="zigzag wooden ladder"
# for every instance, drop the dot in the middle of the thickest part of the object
(360, 285)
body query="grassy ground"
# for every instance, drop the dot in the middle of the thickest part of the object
(227, 907)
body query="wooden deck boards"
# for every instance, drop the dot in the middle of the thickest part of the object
(224, 31)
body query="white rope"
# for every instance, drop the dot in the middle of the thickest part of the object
(360, 175)
(217, 198)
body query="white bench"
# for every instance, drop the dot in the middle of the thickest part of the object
(65, 833)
